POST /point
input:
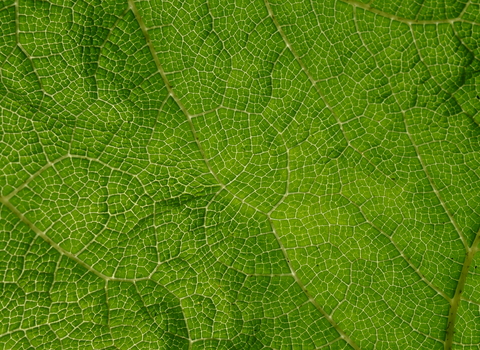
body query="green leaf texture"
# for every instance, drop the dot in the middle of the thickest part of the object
(239, 174)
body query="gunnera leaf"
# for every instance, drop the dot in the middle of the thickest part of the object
(239, 174)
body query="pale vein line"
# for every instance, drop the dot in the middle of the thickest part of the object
(422, 163)
(355, 4)
(179, 103)
(402, 254)
(476, 303)
(304, 69)
(59, 159)
(311, 299)
(329, 344)
(8, 6)
(6, 201)
(94, 75)
(192, 128)
(107, 302)
(107, 37)
(160, 69)
(369, 8)
(419, 273)
(455, 303)
(288, 170)
(33, 177)
(61, 250)
(27, 55)
(427, 67)
(470, 251)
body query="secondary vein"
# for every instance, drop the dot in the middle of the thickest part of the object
(455, 303)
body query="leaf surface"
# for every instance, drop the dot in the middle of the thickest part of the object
(239, 174)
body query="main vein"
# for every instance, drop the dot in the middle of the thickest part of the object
(74, 257)
(455, 303)
(349, 340)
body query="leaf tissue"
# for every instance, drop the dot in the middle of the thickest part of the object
(241, 174)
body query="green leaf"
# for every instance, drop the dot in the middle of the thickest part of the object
(255, 174)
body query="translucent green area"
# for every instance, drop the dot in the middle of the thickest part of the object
(240, 174)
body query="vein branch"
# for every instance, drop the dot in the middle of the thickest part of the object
(74, 257)
(370, 8)
(455, 303)
(311, 299)
(285, 253)
(424, 166)
(172, 93)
